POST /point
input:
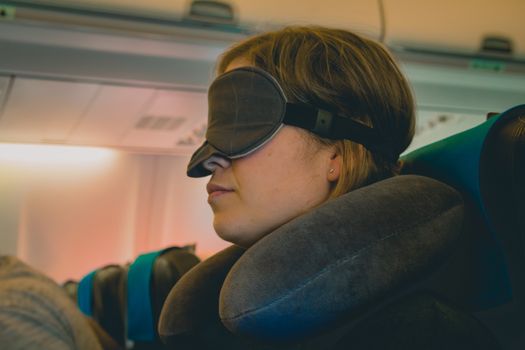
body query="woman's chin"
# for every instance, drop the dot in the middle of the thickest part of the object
(236, 239)
(235, 235)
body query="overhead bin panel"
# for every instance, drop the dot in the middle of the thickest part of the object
(454, 25)
(464, 89)
(43, 110)
(71, 63)
(458, 98)
(153, 8)
(359, 15)
(110, 40)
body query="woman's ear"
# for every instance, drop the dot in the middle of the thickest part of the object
(334, 169)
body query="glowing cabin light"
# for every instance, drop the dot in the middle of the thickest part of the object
(46, 155)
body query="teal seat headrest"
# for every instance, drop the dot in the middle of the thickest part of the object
(140, 322)
(461, 161)
(150, 278)
(85, 294)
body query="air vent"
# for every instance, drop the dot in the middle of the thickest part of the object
(194, 138)
(159, 123)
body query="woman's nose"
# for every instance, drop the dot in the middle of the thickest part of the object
(214, 162)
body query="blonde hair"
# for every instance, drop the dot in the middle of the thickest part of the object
(346, 74)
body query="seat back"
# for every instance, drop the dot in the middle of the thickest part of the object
(150, 278)
(71, 288)
(126, 301)
(487, 165)
(99, 297)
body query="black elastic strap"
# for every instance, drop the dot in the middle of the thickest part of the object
(335, 127)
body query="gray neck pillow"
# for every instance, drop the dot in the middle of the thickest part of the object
(325, 266)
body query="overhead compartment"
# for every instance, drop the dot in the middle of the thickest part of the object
(459, 86)
(454, 26)
(445, 25)
(359, 15)
(44, 51)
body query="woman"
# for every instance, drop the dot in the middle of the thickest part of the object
(360, 118)
(296, 117)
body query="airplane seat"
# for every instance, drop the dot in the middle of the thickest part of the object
(71, 288)
(312, 282)
(99, 297)
(150, 278)
(487, 165)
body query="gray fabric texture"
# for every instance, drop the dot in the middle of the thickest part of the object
(191, 306)
(35, 313)
(346, 254)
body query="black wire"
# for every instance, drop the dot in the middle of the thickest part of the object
(382, 21)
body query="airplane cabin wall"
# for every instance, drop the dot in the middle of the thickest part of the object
(67, 219)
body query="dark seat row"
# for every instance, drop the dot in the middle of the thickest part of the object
(125, 301)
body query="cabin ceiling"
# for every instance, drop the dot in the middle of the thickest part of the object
(141, 119)
(84, 80)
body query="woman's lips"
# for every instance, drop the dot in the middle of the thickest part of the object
(215, 191)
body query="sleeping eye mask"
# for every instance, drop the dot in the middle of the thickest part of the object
(246, 109)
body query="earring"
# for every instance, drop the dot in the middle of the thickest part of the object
(331, 171)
